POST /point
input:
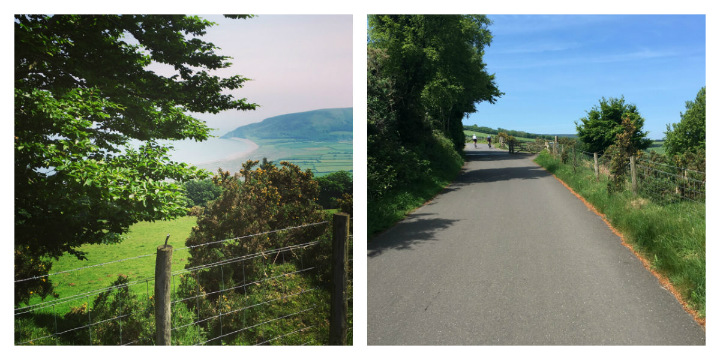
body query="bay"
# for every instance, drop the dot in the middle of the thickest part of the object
(209, 153)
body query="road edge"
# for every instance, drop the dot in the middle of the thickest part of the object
(662, 279)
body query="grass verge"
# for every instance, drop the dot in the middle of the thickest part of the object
(669, 238)
(444, 165)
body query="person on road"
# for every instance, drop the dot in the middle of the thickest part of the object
(489, 139)
(475, 140)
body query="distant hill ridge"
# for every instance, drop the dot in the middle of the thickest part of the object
(315, 125)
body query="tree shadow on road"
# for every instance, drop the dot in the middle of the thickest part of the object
(501, 174)
(404, 235)
(494, 155)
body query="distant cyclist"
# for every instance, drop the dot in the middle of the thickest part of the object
(489, 139)
(475, 140)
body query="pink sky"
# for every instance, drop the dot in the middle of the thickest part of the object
(296, 63)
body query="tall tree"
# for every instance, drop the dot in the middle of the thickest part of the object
(436, 66)
(689, 134)
(83, 92)
(599, 129)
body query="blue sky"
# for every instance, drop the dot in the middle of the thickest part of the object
(554, 68)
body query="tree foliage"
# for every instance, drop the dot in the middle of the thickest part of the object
(620, 152)
(83, 94)
(425, 73)
(689, 134)
(599, 129)
(435, 64)
(201, 191)
(333, 187)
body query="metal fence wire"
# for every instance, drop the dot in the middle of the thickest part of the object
(662, 182)
(272, 297)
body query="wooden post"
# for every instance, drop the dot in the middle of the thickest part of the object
(338, 301)
(163, 274)
(633, 174)
(555, 146)
(597, 169)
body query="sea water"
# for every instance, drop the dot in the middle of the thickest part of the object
(208, 151)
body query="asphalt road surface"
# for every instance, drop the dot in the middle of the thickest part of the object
(507, 255)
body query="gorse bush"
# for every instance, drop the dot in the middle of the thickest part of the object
(245, 279)
(620, 152)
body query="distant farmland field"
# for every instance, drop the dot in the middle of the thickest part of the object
(319, 156)
(657, 146)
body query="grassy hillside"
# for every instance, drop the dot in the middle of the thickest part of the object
(316, 125)
(319, 140)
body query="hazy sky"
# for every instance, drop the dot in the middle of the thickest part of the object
(554, 69)
(296, 63)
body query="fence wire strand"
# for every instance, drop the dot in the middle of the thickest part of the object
(657, 180)
(259, 324)
(183, 248)
(282, 336)
(122, 317)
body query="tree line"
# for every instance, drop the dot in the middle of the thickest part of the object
(425, 73)
(614, 123)
(514, 133)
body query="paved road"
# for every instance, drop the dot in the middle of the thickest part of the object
(507, 255)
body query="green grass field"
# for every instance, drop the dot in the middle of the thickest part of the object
(142, 239)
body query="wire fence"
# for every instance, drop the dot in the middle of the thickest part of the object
(272, 297)
(662, 182)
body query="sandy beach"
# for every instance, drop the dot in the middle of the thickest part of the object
(244, 154)
(231, 161)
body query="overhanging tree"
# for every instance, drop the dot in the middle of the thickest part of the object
(83, 92)
(689, 134)
(600, 128)
(435, 63)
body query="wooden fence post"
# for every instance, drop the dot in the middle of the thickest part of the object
(338, 301)
(163, 274)
(597, 169)
(555, 146)
(633, 174)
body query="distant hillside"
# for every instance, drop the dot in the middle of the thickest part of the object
(316, 125)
